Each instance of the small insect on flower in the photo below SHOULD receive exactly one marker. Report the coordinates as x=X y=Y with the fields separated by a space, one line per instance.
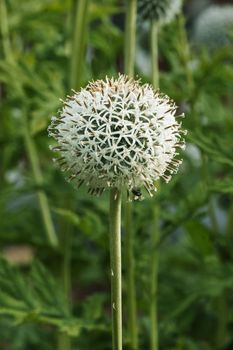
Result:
x=137 y=193
x=117 y=133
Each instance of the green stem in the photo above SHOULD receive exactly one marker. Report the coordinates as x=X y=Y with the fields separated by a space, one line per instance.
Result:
x=229 y=228
x=79 y=40
x=29 y=143
x=154 y=281
x=155 y=234
x=130 y=48
x=211 y=209
x=79 y=22
x=5 y=31
x=130 y=37
x=154 y=54
x=115 y=254
x=66 y=271
x=185 y=53
x=38 y=178
x=130 y=264
x=64 y=340
x=222 y=320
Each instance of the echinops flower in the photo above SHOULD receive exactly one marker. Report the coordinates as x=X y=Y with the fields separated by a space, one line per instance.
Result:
x=214 y=27
x=117 y=133
x=163 y=11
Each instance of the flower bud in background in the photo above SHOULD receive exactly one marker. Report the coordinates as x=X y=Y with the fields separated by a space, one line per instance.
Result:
x=214 y=27
x=163 y=11
x=117 y=133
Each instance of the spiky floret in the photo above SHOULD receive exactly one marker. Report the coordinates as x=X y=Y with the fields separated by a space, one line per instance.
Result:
x=162 y=11
x=117 y=133
x=214 y=27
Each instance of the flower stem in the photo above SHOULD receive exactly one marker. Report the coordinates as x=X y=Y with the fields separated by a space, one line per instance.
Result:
x=78 y=48
x=115 y=254
x=185 y=53
x=154 y=54
x=130 y=47
x=154 y=280
x=156 y=212
x=130 y=263
x=5 y=31
x=130 y=37
x=38 y=178
x=64 y=341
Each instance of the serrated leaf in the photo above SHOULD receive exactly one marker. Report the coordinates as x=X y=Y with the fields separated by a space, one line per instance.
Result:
x=48 y=305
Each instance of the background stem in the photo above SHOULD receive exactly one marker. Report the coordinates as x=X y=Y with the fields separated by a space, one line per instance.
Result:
x=130 y=37
x=5 y=31
x=79 y=23
x=130 y=265
x=115 y=254
x=38 y=178
x=79 y=41
x=64 y=341
x=130 y=48
x=29 y=142
x=184 y=52
x=154 y=54
x=155 y=234
x=154 y=279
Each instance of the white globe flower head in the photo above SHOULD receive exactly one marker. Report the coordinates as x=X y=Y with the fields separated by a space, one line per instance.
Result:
x=163 y=11
x=214 y=27
x=117 y=133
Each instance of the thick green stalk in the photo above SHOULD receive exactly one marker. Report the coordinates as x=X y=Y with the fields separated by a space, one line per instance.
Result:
x=229 y=228
x=185 y=54
x=154 y=54
x=155 y=234
x=79 y=41
x=38 y=178
x=5 y=31
x=115 y=254
x=130 y=47
x=222 y=320
x=130 y=265
x=154 y=280
x=130 y=37
x=64 y=341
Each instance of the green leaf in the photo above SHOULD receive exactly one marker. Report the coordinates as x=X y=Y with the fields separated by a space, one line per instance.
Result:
x=68 y=215
x=37 y=297
x=200 y=235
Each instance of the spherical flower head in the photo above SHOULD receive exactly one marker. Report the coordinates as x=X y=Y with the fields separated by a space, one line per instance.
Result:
x=214 y=27
x=163 y=11
x=117 y=133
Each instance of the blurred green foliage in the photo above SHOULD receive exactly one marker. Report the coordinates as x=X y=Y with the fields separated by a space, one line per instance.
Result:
x=196 y=243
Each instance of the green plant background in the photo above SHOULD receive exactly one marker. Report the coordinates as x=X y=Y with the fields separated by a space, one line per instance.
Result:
x=195 y=295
